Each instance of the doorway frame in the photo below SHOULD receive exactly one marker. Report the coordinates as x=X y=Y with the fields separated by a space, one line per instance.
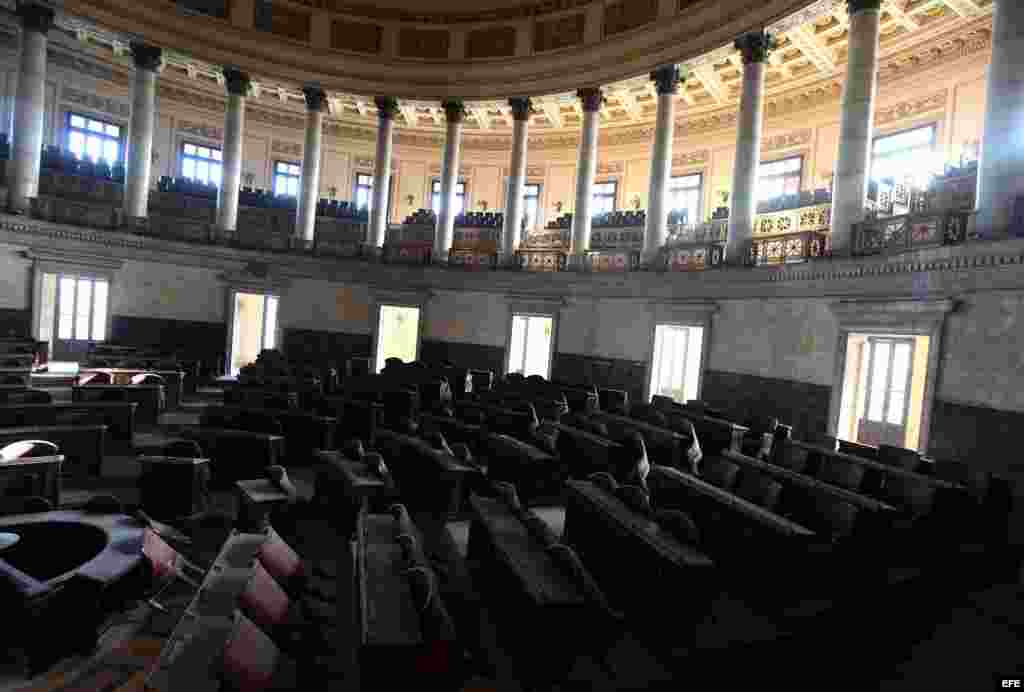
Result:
x=896 y=317
x=265 y=291
x=553 y=316
x=380 y=297
x=681 y=314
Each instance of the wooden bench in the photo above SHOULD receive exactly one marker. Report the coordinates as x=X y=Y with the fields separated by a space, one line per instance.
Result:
x=258 y=397
x=119 y=417
x=586 y=453
x=405 y=636
x=149 y=397
x=665 y=447
x=355 y=419
x=536 y=474
x=236 y=454
x=174 y=381
x=428 y=479
x=713 y=434
x=304 y=432
x=82 y=446
x=349 y=486
x=31 y=476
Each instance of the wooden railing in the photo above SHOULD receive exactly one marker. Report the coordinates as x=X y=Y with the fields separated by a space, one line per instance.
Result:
x=912 y=231
x=792 y=235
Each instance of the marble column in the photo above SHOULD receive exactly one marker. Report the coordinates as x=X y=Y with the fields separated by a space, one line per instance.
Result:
x=29 y=106
x=1001 y=164
x=309 y=191
x=850 y=189
x=455 y=112
x=521 y=110
x=148 y=61
x=743 y=198
x=666 y=80
x=238 y=85
x=586 y=166
x=387 y=109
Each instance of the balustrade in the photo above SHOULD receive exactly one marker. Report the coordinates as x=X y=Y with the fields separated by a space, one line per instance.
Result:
x=792 y=235
x=696 y=247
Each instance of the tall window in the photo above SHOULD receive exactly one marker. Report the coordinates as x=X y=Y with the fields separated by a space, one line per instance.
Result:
x=364 y=191
x=201 y=163
x=531 y=203
x=254 y=328
x=286 y=178
x=530 y=345
x=74 y=308
x=603 y=197
x=94 y=139
x=398 y=334
x=905 y=154
x=675 y=363
x=684 y=194
x=780 y=177
x=460 y=197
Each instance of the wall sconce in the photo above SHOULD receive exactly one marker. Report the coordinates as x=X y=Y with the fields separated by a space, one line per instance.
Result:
x=332 y=192
x=249 y=179
x=558 y=207
x=410 y=200
x=636 y=202
x=483 y=205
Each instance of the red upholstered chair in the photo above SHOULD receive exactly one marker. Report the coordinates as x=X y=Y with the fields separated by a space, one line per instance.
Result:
x=251 y=661
x=283 y=563
x=167 y=563
x=264 y=601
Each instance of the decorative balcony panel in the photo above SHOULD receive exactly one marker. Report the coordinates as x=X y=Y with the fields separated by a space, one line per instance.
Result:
x=76 y=212
x=479 y=240
x=339 y=238
x=815 y=218
x=472 y=260
x=715 y=231
x=695 y=258
x=542 y=260
x=265 y=229
x=613 y=261
x=617 y=238
x=696 y=247
x=410 y=232
x=912 y=231
x=795 y=247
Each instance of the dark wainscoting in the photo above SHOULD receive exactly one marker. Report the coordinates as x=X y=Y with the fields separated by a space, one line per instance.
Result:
x=201 y=341
x=981 y=436
x=15 y=322
x=613 y=373
x=800 y=404
x=315 y=346
x=473 y=356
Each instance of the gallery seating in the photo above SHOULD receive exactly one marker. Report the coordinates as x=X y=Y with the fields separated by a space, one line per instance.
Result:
x=665 y=447
x=536 y=475
x=347 y=485
x=29 y=469
x=714 y=434
x=586 y=452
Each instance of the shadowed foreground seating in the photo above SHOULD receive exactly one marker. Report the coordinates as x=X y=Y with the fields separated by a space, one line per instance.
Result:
x=83 y=446
x=428 y=479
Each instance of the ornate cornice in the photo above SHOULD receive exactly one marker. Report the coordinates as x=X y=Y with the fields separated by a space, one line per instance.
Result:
x=787 y=140
x=200 y=130
x=691 y=158
x=755 y=46
x=89 y=100
x=522 y=108
x=912 y=108
x=286 y=148
x=667 y=79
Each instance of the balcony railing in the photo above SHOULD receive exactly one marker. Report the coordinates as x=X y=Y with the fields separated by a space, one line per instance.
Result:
x=792 y=235
x=912 y=231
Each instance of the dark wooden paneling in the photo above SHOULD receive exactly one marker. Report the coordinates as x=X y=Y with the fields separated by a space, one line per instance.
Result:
x=800 y=404
x=631 y=14
x=558 y=33
x=977 y=435
x=15 y=322
x=282 y=20
x=214 y=8
x=473 y=356
x=601 y=372
x=314 y=346
x=496 y=42
x=205 y=341
x=356 y=36
x=424 y=43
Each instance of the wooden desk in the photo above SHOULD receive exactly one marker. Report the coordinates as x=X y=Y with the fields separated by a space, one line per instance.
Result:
x=44 y=473
x=174 y=381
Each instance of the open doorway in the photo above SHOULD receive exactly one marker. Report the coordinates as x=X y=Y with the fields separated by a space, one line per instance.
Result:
x=398 y=334
x=884 y=389
x=676 y=361
x=529 y=349
x=254 y=328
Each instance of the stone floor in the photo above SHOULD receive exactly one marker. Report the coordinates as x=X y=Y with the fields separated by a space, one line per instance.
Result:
x=960 y=641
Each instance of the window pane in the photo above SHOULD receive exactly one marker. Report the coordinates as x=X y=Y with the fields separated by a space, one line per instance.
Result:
x=436 y=186
x=76 y=143
x=538 y=344
x=110 y=151
x=877 y=383
x=900 y=367
x=82 y=309
x=203 y=152
x=895 y=414
x=270 y=322
x=48 y=307
x=93 y=148
x=67 y=307
x=77 y=121
x=202 y=171
x=99 y=310
x=113 y=130
x=190 y=149
x=215 y=154
x=188 y=168
x=397 y=334
x=215 y=170
x=95 y=126
x=517 y=346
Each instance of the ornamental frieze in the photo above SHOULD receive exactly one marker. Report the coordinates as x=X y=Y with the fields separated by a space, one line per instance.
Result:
x=690 y=158
x=288 y=148
x=912 y=108
x=200 y=130
x=95 y=102
x=787 y=140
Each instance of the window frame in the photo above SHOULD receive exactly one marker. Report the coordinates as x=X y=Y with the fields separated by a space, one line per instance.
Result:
x=799 y=174
x=540 y=190
x=933 y=126
x=613 y=196
x=697 y=313
x=69 y=129
x=182 y=157
x=551 y=345
x=391 y=302
x=464 y=194
x=699 y=188
x=872 y=343
x=289 y=176
x=77 y=275
x=357 y=186
x=267 y=294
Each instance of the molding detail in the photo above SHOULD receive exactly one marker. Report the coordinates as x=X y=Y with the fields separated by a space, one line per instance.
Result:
x=200 y=130
x=63 y=259
x=919 y=315
x=287 y=148
x=192 y=98
x=610 y=167
x=909 y=109
x=691 y=158
x=96 y=103
x=67 y=61
x=788 y=140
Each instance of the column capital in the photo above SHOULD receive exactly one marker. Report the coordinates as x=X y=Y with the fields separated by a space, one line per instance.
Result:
x=855 y=6
x=35 y=17
x=236 y=81
x=316 y=98
x=592 y=98
x=522 y=107
x=454 y=110
x=147 y=57
x=387 y=107
x=667 y=79
x=755 y=46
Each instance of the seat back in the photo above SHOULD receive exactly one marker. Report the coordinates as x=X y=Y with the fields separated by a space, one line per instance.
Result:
x=842 y=473
x=720 y=472
x=28 y=448
x=759 y=489
x=250 y=658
